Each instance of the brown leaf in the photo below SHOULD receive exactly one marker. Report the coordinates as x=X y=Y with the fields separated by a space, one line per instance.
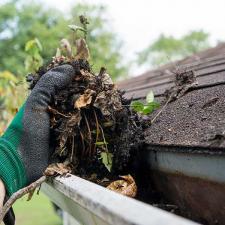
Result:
x=57 y=169
x=90 y=77
x=65 y=45
x=127 y=186
x=30 y=195
x=82 y=49
x=101 y=102
x=74 y=120
x=84 y=99
x=108 y=101
x=107 y=80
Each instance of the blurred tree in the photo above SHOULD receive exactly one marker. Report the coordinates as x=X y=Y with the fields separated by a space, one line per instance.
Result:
x=11 y=97
x=168 y=48
x=21 y=21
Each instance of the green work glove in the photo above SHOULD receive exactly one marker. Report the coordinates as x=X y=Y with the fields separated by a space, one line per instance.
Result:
x=24 y=147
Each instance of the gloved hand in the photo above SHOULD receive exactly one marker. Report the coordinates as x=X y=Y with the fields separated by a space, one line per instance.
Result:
x=24 y=147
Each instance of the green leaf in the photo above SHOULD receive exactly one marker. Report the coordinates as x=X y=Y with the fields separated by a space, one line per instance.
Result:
x=147 y=110
x=99 y=143
x=38 y=43
x=33 y=46
x=137 y=106
x=150 y=108
x=30 y=44
x=8 y=76
x=76 y=28
x=154 y=104
x=107 y=160
x=150 y=97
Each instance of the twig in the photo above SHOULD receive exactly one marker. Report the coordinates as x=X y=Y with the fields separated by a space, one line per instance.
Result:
x=169 y=99
x=89 y=134
x=20 y=193
x=54 y=111
x=82 y=140
x=106 y=146
x=103 y=136
x=97 y=130
x=72 y=153
x=102 y=71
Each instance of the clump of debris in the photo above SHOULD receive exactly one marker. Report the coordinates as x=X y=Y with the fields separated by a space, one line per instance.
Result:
x=92 y=125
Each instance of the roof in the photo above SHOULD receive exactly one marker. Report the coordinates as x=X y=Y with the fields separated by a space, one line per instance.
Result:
x=198 y=117
x=209 y=67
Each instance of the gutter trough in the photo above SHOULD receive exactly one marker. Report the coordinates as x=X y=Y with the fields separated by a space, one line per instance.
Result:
x=191 y=178
x=89 y=204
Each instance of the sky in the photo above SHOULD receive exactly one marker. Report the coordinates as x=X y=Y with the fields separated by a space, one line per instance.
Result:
x=139 y=22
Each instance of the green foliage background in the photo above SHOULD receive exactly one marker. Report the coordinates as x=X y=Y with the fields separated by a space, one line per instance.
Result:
x=21 y=21
x=168 y=48
x=38 y=210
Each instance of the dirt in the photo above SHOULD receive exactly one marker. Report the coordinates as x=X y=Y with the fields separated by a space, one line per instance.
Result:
x=90 y=118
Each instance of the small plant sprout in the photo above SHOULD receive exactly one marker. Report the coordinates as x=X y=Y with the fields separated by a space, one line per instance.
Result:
x=75 y=28
x=58 y=53
x=66 y=47
x=147 y=108
x=84 y=22
x=82 y=51
x=107 y=160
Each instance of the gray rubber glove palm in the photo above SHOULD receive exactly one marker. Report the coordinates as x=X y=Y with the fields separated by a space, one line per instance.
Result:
x=24 y=148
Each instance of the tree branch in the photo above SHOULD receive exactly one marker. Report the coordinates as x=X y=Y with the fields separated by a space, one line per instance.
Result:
x=20 y=193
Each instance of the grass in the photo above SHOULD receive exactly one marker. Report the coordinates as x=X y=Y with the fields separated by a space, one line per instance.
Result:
x=37 y=211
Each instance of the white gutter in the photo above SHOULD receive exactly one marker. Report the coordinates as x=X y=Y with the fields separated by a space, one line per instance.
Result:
x=91 y=204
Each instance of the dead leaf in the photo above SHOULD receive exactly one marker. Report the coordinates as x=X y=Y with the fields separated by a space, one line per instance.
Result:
x=57 y=169
x=82 y=49
x=90 y=77
x=74 y=120
x=101 y=102
x=30 y=195
x=65 y=46
x=106 y=80
x=108 y=101
x=127 y=186
x=84 y=99
x=116 y=100
x=86 y=74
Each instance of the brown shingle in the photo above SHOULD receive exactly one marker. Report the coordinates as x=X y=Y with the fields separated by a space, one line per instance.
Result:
x=209 y=67
x=197 y=118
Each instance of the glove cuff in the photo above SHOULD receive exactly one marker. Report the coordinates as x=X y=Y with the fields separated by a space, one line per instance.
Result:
x=12 y=170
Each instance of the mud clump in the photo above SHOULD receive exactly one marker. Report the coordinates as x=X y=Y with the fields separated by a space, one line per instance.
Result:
x=92 y=125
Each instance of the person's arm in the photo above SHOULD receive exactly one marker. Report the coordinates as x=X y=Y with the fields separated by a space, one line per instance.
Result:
x=2 y=193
